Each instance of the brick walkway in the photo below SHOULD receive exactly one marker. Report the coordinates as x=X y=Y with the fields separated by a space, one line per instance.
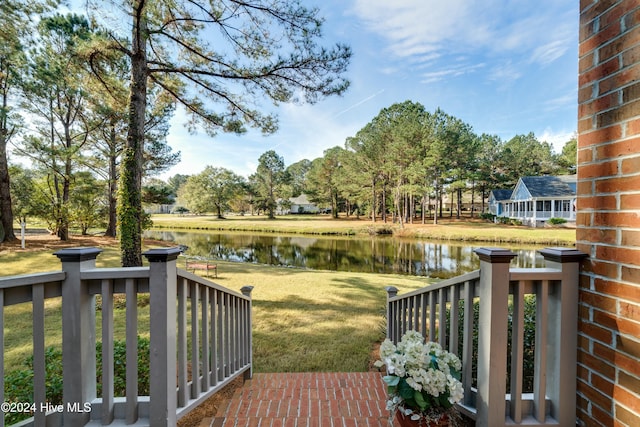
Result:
x=307 y=400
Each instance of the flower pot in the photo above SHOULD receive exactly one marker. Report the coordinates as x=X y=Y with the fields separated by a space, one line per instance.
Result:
x=406 y=421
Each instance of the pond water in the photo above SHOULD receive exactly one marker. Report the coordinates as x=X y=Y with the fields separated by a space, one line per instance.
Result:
x=376 y=254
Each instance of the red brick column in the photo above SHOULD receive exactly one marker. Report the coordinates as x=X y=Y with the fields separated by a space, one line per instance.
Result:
x=609 y=213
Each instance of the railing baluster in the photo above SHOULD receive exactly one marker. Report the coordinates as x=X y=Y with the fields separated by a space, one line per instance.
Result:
x=215 y=368
x=416 y=313
x=432 y=317
x=107 y=351
x=132 y=351
x=454 y=297
x=232 y=335
x=540 y=377
x=194 y=296
x=222 y=360
x=401 y=324
x=206 y=348
x=245 y=331
x=467 y=341
x=227 y=337
x=442 y=318
x=39 y=371
x=423 y=314
x=2 y=354
x=517 y=352
x=236 y=333
x=183 y=389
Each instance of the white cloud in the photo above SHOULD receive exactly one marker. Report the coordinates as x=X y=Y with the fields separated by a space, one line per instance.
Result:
x=568 y=100
x=451 y=71
x=416 y=28
x=505 y=73
x=557 y=138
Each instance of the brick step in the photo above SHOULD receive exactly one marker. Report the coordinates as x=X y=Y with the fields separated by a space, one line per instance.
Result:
x=354 y=399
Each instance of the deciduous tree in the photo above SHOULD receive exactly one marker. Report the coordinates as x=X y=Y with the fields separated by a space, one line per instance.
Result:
x=211 y=190
x=269 y=181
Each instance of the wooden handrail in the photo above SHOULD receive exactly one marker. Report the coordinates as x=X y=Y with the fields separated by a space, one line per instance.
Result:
x=220 y=330
x=435 y=312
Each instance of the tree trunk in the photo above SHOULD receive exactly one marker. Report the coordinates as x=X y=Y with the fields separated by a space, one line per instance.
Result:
x=373 y=200
x=130 y=206
x=473 y=197
x=451 y=205
x=483 y=197
x=6 y=212
x=6 y=207
x=63 y=229
x=437 y=203
x=384 y=203
x=111 y=230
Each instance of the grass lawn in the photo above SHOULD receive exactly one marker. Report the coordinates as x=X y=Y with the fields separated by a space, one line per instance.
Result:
x=447 y=229
x=314 y=320
x=303 y=320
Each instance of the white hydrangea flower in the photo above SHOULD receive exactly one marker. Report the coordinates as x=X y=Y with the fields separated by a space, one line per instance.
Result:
x=456 y=392
x=424 y=366
x=387 y=349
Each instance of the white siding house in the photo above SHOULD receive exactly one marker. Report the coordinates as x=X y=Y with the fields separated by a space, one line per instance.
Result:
x=301 y=204
x=536 y=199
x=298 y=205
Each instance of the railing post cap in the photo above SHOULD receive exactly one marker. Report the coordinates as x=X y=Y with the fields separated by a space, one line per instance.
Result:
x=77 y=254
x=246 y=290
x=391 y=291
x=563 y=255
x=495 y=255
x=162 y=254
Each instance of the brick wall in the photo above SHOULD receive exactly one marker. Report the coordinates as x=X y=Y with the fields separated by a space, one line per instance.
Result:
x=609 y=213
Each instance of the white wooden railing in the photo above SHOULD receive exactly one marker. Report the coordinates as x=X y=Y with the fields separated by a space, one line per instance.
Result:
x=183 y=306
x=444 y=312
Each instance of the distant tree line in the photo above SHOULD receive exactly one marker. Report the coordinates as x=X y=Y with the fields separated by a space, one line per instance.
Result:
x=398 y=167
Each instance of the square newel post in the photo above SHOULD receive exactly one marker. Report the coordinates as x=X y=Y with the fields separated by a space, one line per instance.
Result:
x=562 y=336
x=78 y=333
x=493 y=335
x=392 y=322
x=163 y=280
x=246 y=291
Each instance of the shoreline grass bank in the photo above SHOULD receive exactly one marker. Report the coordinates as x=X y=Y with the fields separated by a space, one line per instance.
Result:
x=465 y=230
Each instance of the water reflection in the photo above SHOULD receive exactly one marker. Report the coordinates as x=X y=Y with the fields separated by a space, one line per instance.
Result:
x=370 y=254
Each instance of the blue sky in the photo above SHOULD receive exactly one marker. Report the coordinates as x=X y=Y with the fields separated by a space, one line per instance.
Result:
x=506 y=67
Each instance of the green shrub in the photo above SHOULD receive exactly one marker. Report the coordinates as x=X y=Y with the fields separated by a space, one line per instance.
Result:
x=487 y=216
x=556 y=221
x=18 y=384
x=120 y=367
x=529 y=339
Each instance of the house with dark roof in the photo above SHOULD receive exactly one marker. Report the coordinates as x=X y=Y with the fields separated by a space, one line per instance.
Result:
x=497 y=200
x=536 y=199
